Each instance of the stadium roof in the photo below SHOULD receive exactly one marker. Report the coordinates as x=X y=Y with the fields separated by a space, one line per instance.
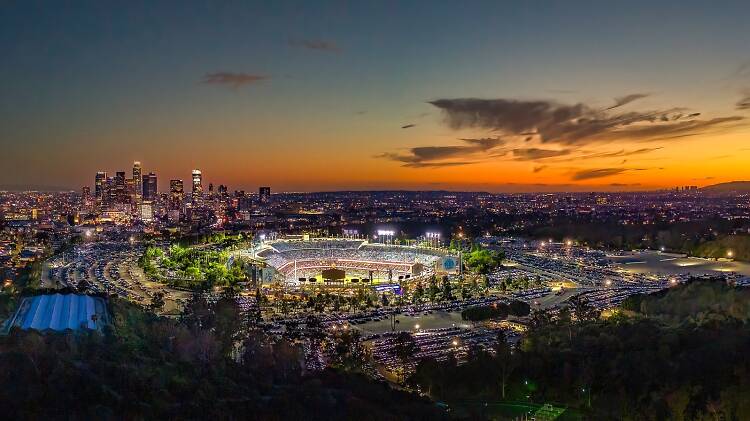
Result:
x=57 y=312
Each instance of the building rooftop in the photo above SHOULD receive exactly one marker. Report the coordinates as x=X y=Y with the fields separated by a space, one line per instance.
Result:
x=57 y=312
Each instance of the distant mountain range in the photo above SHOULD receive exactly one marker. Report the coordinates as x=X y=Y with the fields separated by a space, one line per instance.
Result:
x=732 y=186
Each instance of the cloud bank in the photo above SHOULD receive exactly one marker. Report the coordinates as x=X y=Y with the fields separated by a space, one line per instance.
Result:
x=576 y=124
x=234 y=80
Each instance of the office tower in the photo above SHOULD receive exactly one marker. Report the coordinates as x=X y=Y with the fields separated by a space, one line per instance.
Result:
x=222 y=189
x=130 y=190
x=146 y=209
x=110 y=192
x=99 y=185
x=85 y=195
x=264 y=195
x=149 y=187
x=210 y=188
x=120 y=193
x=197 y=191
x=137 y=180
x=176 y=193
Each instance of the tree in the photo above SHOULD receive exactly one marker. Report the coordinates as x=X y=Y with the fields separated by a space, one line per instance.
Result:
x=582 y=310
x=404 y=348
x=347 y=349
x=447 y=292
x=418 y=293
x=157 y=301
x=432 y=290
x=519 y=308
x=506 y=361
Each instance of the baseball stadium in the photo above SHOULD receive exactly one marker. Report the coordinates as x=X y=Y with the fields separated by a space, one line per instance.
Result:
x=350 y=262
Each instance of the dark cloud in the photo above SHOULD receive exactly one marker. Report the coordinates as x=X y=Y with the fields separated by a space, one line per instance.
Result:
x=627 y=99
x=539 y=168
x=235 y=80
x=315 y=45
x=485 y=142
x=438 y=164
x=575 y=124
x=408 y=126
x=532 y=154
x=442 y=156
x=597 y=173
x=620 y=153
x=744 y=103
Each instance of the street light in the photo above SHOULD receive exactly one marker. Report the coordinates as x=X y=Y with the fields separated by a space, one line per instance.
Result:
x=416 y=326
x=730 y=253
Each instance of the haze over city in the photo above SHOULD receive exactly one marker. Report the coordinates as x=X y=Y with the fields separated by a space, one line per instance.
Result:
x=308 y=96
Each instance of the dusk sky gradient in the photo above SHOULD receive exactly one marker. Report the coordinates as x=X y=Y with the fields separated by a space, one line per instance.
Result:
x=311 y=96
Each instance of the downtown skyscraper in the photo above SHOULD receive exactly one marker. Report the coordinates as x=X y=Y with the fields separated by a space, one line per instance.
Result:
x=149 y=187
x=137 y=181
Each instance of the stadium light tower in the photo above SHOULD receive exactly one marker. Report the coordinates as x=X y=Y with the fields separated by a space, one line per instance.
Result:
x=386 y=236
x=433 y=238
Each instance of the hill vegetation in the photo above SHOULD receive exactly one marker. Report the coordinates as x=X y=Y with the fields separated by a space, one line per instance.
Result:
x=198 y=367
x=677 y=355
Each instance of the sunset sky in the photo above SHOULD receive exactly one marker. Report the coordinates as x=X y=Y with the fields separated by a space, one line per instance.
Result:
x=303 y=96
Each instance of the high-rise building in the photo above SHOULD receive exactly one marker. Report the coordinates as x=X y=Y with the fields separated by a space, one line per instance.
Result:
x=264 y=195
x=110 y=191
x=146 y=210
x=149 y=187
x=137 y=180
x=99 y=186
x=197 y=191
x=120 y=193
x=86 y=195
x=130 y=190
x=176 y=193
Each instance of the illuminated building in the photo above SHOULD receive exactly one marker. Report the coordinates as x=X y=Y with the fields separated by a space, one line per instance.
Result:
x=120 y=192
x=85 y=195
x=264 y=195
x=197 y=190
x=137 y=180
x=146 y=208
x=99 y=186
x=149 y=186
x=176 y=193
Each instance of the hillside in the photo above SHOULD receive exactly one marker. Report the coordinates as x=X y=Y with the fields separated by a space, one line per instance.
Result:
x=732 y=186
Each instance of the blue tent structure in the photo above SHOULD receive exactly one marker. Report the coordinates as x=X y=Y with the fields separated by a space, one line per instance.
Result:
x=58 y=312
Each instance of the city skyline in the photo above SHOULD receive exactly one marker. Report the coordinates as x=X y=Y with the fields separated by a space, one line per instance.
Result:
x=495 y=97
